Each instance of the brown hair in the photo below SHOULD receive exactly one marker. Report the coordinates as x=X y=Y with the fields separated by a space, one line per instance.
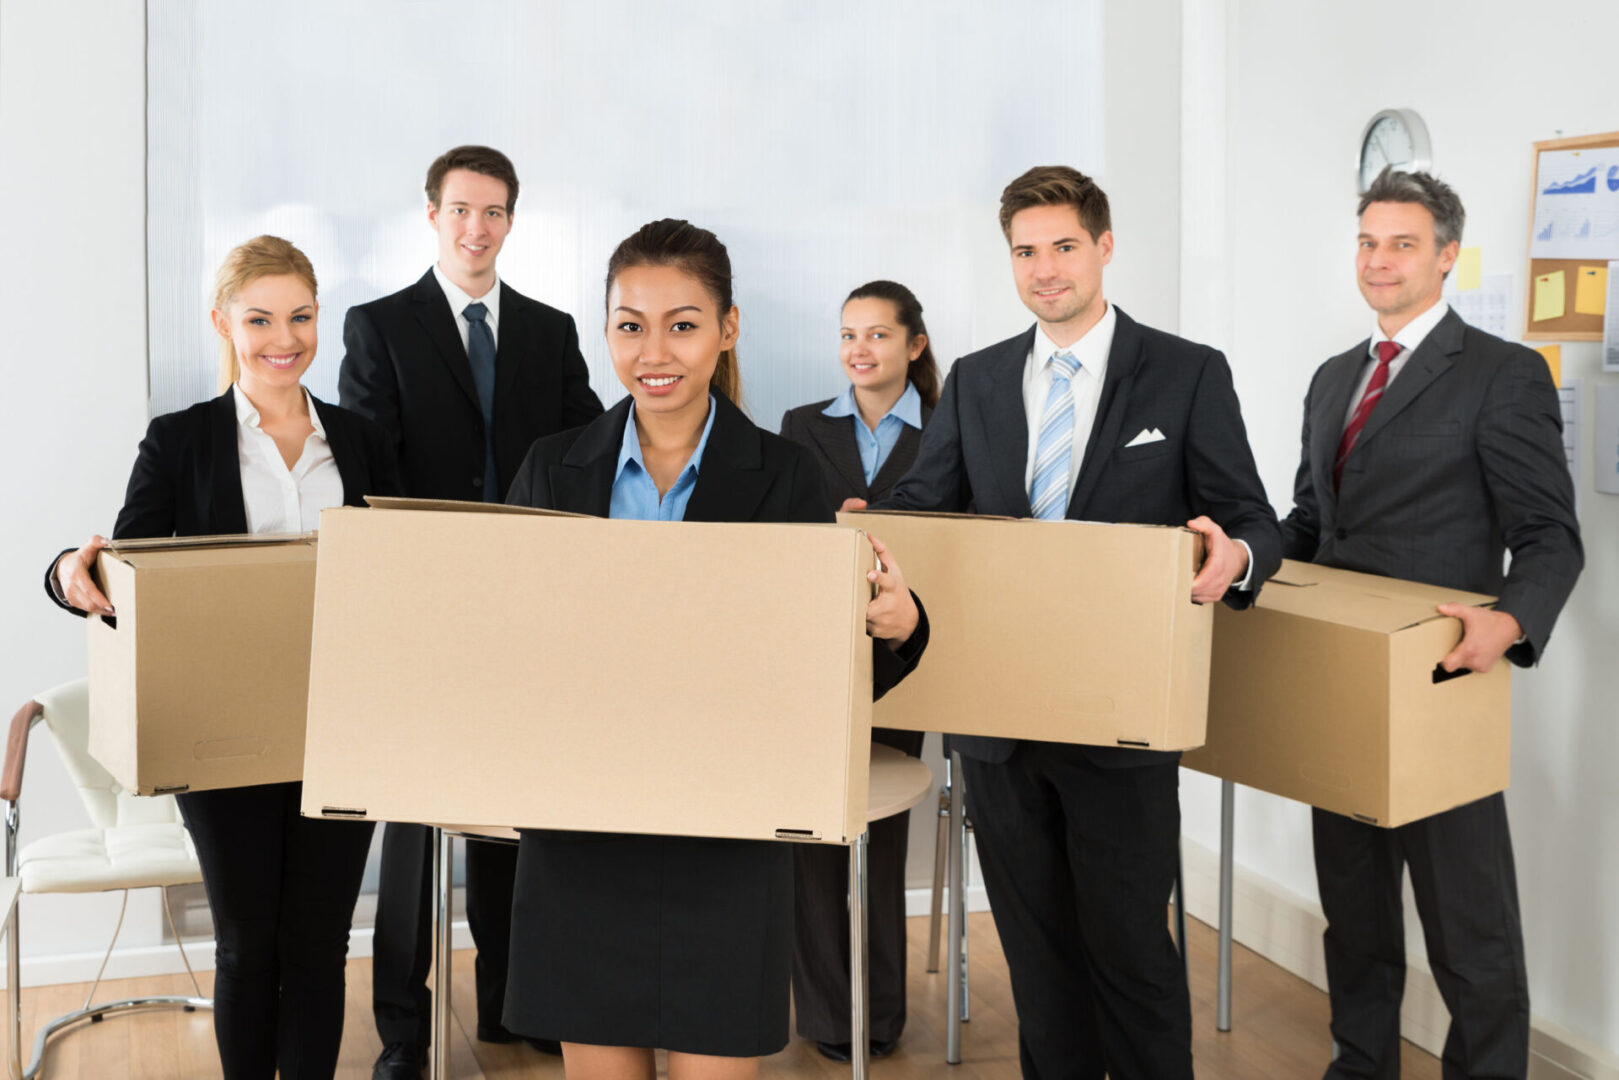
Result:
x=1057 y=185
x=1428 y=192
x=484 y=160
x=262 y=256
x=694 y=251
x=924 y=370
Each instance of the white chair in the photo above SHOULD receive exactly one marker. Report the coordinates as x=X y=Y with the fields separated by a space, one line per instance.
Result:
x=136 y=843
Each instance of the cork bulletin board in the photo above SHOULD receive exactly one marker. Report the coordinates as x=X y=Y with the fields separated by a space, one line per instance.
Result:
x=1573 y=234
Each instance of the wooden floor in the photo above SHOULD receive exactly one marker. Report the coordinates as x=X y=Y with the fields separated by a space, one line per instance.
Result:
x=1279 y=1028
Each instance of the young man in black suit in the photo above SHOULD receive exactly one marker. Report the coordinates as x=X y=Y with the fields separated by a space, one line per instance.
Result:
x=1090 y=415
x=465 y=373
x=1429 y=451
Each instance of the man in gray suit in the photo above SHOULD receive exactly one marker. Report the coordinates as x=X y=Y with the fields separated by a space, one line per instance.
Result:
x=1430 y=450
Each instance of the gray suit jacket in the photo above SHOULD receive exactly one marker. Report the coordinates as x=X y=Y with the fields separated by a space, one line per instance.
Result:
x=1460 y=462
x=976 y=446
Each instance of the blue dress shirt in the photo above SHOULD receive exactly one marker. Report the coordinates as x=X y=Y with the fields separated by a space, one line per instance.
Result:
x=635 y=496
x=875 y=446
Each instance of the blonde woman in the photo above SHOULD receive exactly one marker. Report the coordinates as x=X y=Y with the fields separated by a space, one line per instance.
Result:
x=265 y=456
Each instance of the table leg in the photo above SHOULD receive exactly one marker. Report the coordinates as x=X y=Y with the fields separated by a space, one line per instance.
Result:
x=443 y=877
x=859 y=961
x=955 y=1000
x=1228 y=811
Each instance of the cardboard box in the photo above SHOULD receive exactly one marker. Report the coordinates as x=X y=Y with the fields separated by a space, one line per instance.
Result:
x=1065 y=631
x=496 y=666
x=201 y=679
x=1328 y=691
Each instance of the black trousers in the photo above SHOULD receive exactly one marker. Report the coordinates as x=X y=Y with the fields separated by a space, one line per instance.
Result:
x=1465 y=886
x=1079 y=862
x=821 y=925
x=402 y=949
x=282 y=889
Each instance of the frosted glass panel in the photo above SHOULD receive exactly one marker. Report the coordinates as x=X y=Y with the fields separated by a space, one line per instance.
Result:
x=826 y=144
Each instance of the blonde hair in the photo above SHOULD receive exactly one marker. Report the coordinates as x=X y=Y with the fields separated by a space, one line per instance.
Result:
x=262 y=256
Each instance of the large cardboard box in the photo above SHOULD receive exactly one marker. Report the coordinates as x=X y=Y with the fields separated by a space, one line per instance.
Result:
x=494 y=666
x=201 y=679
x=1066 y=631
x=1329 y=691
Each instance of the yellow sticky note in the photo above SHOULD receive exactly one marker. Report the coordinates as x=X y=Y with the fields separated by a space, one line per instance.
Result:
x=1549 y=299
x=1554 y=360
x=1470 y=268
x=1591 y=290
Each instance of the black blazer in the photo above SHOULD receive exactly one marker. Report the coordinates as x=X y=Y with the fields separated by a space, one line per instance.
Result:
x=975 y=450
x=404 y=366
x=1461 y=461
x=187 y=479
x=832 y=440
x=746 y=475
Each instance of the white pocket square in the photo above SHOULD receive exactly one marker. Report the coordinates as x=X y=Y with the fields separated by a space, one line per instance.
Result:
x=1148 y=435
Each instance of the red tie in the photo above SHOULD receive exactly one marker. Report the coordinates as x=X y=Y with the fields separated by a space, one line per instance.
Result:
x=1386 y=352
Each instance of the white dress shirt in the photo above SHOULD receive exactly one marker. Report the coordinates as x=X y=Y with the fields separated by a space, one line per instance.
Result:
x=278 y=499
x=1410 y=336
x=1091 y=352
x=459 y=301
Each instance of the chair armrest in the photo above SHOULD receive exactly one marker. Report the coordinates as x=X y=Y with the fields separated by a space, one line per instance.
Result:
x=17 y=750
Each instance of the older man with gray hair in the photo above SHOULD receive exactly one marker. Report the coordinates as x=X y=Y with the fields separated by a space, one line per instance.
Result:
x=1430 y=450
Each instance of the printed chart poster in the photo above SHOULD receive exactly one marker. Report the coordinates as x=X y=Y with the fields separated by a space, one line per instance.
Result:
x=1577 y=205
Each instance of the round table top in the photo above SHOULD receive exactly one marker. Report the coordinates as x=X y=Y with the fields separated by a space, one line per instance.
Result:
x=898 y=782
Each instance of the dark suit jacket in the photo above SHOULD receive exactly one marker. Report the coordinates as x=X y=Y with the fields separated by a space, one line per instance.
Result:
x=746 y=475
x=832 y=440
x=1461 y=461
x=975 y=450
x=187 y=479
x=405 y=367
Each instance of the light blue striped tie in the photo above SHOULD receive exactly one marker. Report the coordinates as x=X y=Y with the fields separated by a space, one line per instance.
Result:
x=1048 y=494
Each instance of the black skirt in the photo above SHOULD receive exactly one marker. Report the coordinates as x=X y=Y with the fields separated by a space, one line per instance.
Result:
x=679 y=943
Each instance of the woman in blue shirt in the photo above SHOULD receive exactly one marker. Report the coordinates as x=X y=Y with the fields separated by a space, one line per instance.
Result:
x=864 y=440
x=625 y=943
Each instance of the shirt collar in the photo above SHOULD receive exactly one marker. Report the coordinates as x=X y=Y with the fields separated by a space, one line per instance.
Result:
x=1091 y=350
x=630 y=449
x=247 y=414
x=1412 y=333
x=907 y=410
x=459 y=299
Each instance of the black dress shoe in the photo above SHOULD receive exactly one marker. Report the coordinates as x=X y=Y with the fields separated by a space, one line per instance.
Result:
x=881 y=1048
x=400 y=1061
x=838 y=1052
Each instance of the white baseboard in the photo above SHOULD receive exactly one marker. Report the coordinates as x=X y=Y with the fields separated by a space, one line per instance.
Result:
x=1286 y=929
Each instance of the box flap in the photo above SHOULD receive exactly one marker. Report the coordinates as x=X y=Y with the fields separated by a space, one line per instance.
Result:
x=167 y=543
x=393 y=502
x=1359 y=601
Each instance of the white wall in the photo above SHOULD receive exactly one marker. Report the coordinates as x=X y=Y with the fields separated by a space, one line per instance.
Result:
x=1271 y=281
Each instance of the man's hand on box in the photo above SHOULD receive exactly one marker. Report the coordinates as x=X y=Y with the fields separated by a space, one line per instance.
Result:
x=891 y=616
x=1226 y=561
x=852 y=504
x=1486 y=636
x=77 y=586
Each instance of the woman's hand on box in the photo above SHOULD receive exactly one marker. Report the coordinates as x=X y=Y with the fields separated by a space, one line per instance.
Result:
x=891 y=616
x=852 y=504
x=73 y=578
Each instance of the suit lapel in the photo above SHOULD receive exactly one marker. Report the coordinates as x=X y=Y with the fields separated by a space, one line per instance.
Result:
x=1431 y=360
x=229 y=513
x=1123 y=359
x=433 y=314
x=583 y=482
x=835 y=436
x=343 y=453
x=511 y=344
x=1327 y=415
x=1005 y=422
x=900 y=459
x=731 y=481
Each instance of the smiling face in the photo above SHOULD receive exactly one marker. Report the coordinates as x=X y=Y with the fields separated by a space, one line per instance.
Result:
x=1400 y=266
x=472 y=223
x=876 y=350
x=665 y=334
x=1058 y=269
x=271 y=325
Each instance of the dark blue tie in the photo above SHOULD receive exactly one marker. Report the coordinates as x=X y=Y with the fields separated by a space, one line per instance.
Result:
x=481 y=355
